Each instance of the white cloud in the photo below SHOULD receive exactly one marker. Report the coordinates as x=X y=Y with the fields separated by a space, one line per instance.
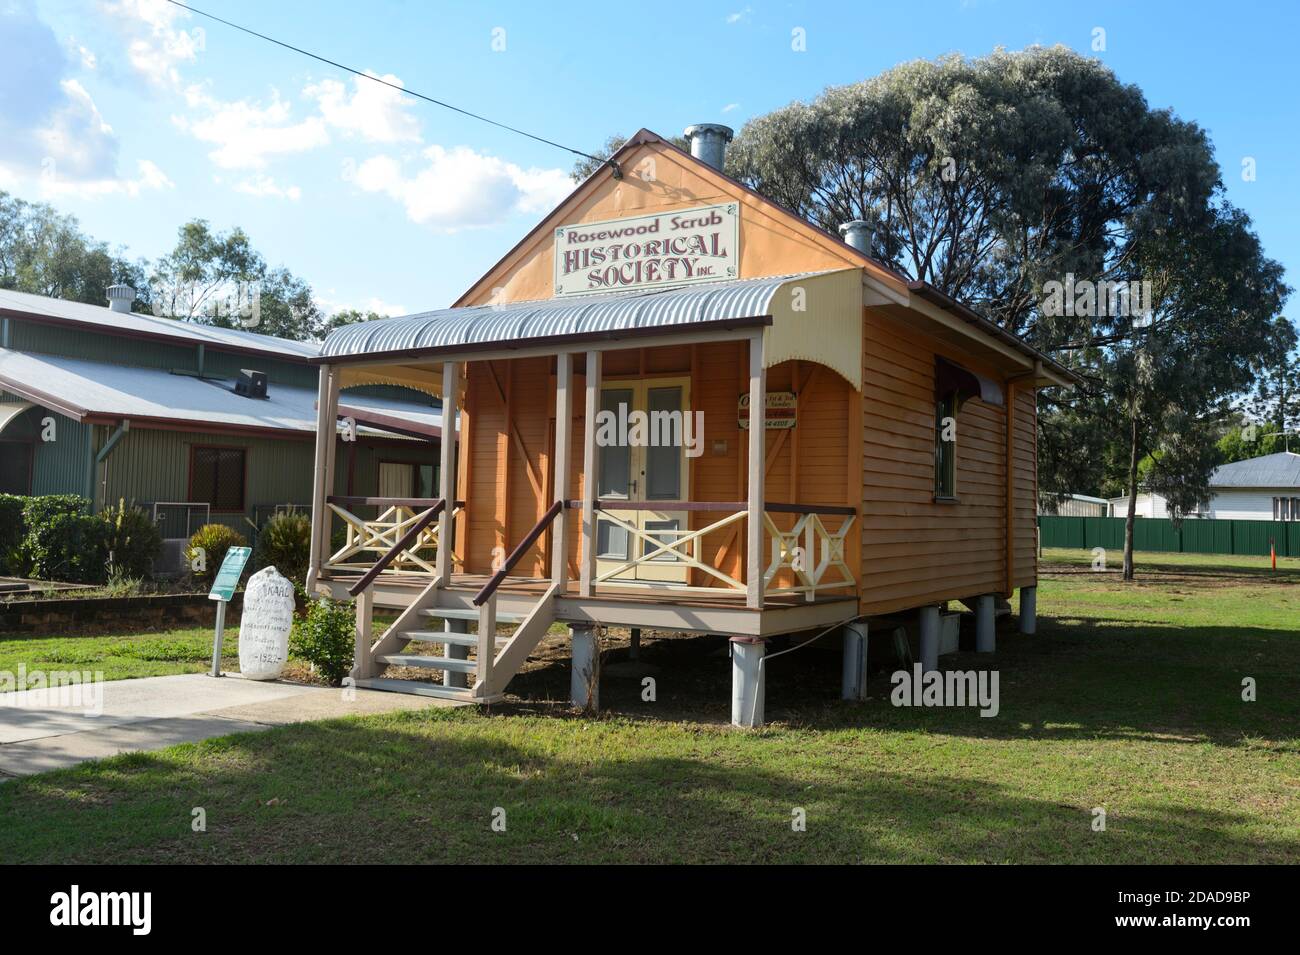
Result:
x=459 y=188
x=246 y=134
x=730 y=106
x=266 y=187
x=740 y=15
x=155 y=45
x=376 y=113
x=148 y=177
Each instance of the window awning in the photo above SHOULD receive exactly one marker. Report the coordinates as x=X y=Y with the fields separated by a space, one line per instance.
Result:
x=951 y=377
x=812 y=316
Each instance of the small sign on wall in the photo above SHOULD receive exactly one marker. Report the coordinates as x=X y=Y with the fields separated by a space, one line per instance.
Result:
x=780 y=416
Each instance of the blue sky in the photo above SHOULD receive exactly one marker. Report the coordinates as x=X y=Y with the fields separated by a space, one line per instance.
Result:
x=136 y=117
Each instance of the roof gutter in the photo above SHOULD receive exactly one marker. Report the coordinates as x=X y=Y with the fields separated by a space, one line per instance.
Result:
x=948 y=304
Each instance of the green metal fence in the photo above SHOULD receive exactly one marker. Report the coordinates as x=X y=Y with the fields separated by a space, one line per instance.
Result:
x=1195 y=536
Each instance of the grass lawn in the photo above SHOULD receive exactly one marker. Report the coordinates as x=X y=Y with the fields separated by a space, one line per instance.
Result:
x=118 y=656
x=1127 y=699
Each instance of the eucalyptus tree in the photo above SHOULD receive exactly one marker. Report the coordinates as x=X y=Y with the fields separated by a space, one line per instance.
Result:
x=1039 y=189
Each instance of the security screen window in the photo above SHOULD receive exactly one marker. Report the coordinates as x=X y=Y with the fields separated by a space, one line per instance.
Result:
x=945 y=452
x=217 y=478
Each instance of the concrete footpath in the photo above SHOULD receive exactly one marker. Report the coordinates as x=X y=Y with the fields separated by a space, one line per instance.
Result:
x=39 y=732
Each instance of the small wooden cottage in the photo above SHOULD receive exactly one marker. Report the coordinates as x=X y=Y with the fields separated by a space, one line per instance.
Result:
x=685 y=408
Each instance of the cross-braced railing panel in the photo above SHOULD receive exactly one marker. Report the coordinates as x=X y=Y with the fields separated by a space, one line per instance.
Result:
x=809 y=550
x=681 y=545
x=378 y=535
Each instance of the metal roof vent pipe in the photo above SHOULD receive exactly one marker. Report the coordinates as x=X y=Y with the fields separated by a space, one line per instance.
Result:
x=120 y=297
x=709 y=142
x=858 y=234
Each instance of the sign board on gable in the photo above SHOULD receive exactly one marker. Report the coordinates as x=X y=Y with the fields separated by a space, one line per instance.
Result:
x=780 y=411
x=661 y=250
x=223 y=585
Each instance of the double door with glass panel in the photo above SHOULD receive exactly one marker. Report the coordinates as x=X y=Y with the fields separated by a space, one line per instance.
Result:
x=642 y=472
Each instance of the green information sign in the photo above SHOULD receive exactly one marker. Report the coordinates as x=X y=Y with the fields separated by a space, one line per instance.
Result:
x=223 y=587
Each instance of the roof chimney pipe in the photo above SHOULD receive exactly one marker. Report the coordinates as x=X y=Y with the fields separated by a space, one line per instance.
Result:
x=858 y=234
x=120 y=297
x=709 y=142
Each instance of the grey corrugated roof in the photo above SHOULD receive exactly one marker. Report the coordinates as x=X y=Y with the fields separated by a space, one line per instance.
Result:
x=1281 y=470
x=105 y=319
x=519 y=321
x=119 y=391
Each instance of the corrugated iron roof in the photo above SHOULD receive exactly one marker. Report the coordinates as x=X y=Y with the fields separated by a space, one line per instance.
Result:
x=558 y=318
x=94 y=389
x=1281 y=470
x=104 y=319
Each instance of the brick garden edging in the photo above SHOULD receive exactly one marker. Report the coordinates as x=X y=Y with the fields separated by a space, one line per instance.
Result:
x=149 y=612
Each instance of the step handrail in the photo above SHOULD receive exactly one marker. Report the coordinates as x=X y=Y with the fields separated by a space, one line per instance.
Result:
x=421 y=522
x=517 y=554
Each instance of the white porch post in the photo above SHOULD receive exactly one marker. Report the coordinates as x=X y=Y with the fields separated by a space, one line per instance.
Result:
x=590 y=467
x=447 y=470
x=757 y=454
x=563 y=439
x=327 y=411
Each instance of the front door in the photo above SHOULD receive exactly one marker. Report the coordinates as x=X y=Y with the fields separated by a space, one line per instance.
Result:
x=646 y=464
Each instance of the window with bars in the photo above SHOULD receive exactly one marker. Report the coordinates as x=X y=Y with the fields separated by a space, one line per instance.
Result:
x=1286 y=508
x=945 y=451
x=217 y=477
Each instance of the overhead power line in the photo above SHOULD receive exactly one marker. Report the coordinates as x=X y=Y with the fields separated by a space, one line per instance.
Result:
x=401 y=89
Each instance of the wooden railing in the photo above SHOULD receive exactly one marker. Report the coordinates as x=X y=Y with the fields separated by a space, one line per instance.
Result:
x=811 y=552
x=807 y=559
x=403 y=546
x=486 y=600
x=378 y=535
x=517 y=554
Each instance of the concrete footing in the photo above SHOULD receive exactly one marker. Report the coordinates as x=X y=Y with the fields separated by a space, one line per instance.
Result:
x=986 y=640
x=584 y=682
x=747 y=679
x=452 y=678
x=853 y=678
x=1028 y=609
x=929 y=638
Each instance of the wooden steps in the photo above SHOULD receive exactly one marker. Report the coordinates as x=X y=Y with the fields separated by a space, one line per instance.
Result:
x=420 y=688
x=445 y=664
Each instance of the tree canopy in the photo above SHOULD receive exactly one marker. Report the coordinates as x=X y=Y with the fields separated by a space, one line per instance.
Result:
x=1039 y=189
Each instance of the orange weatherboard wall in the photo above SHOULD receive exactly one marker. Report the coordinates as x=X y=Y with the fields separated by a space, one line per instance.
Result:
x=873 y=450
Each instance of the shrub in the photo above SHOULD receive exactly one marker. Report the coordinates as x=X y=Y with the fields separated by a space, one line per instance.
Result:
x=326 y=638
x=134 y=541
x=12 y=531
x=68 y=547
x=212 y=541
x=285 y=544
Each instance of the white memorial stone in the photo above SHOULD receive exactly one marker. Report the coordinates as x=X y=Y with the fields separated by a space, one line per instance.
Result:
x=264 y=625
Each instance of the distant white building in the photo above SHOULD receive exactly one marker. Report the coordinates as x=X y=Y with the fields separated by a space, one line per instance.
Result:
x=1148 y=505
x=1266 y=488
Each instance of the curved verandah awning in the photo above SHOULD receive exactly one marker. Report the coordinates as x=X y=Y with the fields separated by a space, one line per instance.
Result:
x=813 y=316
